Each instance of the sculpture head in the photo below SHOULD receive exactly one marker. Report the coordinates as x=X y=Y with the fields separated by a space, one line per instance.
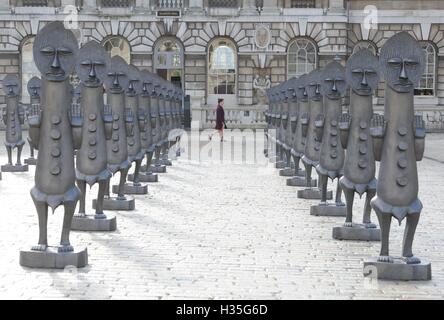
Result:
x=116 y=78
x=314 y=85
x=91 y=64
x=292 y=89
x=11 y=85
x=333 y=85
x=55 y=49
x=302 y=92
x=134 y=80
x=402 y=62
x=34 y=87
x=362 y=72
x=146 y=82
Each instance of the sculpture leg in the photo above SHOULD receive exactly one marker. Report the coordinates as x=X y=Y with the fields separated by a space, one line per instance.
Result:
x=42 y=213
x=19 y=155
x=82 y=186
x=385 y=220
x=9 y=151
x=339 y=195
x=367 y=209
x=308 y=175
x=31 y=149
x=136 y=180
x=149 y=159
x=107 y=188
x=157 y=155
x=409 y=233
x=288 y=157
x=123 y=174
x=103 y=184
x=65 y=245
x=323 y=180
x=349 y=197
x=296 y=161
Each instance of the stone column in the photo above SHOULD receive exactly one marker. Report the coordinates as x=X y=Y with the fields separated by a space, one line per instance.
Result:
x=249 y=7
x=195 y=7
x=271 y=7
x=336 y=6
x=4 y=6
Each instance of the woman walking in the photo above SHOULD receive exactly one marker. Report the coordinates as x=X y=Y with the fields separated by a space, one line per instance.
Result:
x=220 y=120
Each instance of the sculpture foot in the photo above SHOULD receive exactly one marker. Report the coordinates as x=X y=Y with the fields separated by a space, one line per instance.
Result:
x=412 y=260
x=80 y=215
x=369 y=225
x=100 y=216
x=65 y=248
x=39 y=247
x=340 y=204
x=348 y=224
x=387 y=259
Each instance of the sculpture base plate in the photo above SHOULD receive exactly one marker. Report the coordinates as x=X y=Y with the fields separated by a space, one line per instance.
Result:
x=52 y=259
x=313 y=194
x=145 y=177
x=328 y=210
x=300 y=182
x=130 y=188
x=15 y=168
x=357 y=232
x=113 y=203
x=286 y=172
x=31 y=161
x=398 y=270
x=166 y=162
x=89 y=223
x=158 y=169
x=280 y=165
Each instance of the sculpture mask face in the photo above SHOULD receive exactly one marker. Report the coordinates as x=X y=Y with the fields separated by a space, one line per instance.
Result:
x=55 y=50
x=314 y=84
x=147 y=82
x=91 y=64
x=333 y=83
x=11 y=85
x=116 y=78
x=402 y=62
x=302 y=93
x=34 y=87
x=292 y=89
x=135 y=81
x=362 y=72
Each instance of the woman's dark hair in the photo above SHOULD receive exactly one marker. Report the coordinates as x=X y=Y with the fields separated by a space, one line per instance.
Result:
x=219 y=100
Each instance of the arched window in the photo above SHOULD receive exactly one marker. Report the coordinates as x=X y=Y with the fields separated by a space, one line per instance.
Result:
x=365 y=45
x=427 y=83
x=28 y=67
x=222 y=67
x=168 y=54
x=118 y=46
x=301 y=58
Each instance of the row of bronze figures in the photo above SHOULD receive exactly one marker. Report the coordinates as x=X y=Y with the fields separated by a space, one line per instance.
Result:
x=141 y=118
x=306 y=122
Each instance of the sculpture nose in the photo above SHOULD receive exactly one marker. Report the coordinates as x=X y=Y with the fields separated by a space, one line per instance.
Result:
x=116 y=80
x=364 y=80
x=56 y=61
x=334 y=88
x=403 y=74
x=317 y=89
x=92 y=71
x=131 y=87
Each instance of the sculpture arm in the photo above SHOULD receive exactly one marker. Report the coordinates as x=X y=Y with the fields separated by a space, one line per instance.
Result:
x=319 y=126
x=34 y=119
x=76 y=120
x=141 y=117
x=293 y=122
x=344 y=122
x=4 y=115
x=129 y=122
x=420 y=133
x=377 y=131
x=21 y=114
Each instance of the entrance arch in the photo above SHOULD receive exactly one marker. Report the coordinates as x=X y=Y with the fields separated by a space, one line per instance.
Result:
x=169 y=60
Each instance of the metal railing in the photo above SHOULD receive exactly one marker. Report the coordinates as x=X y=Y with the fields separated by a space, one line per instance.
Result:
x=115 y=3
x=224 y=4
x=303 y=4
x=171 y=4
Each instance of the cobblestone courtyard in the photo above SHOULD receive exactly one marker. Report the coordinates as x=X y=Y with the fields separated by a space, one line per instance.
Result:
x=209 y=231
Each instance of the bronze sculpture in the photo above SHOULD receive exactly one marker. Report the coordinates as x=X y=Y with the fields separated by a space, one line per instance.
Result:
x=398 y=143
x=34 y=87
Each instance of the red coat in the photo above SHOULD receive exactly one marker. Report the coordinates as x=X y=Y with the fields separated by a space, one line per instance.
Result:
x=220 y=118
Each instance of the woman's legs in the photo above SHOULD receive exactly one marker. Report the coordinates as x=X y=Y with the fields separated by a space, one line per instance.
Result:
x=221 y=134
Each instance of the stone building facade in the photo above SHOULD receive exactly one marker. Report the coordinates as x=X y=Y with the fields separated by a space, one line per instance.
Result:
x=232 y=48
